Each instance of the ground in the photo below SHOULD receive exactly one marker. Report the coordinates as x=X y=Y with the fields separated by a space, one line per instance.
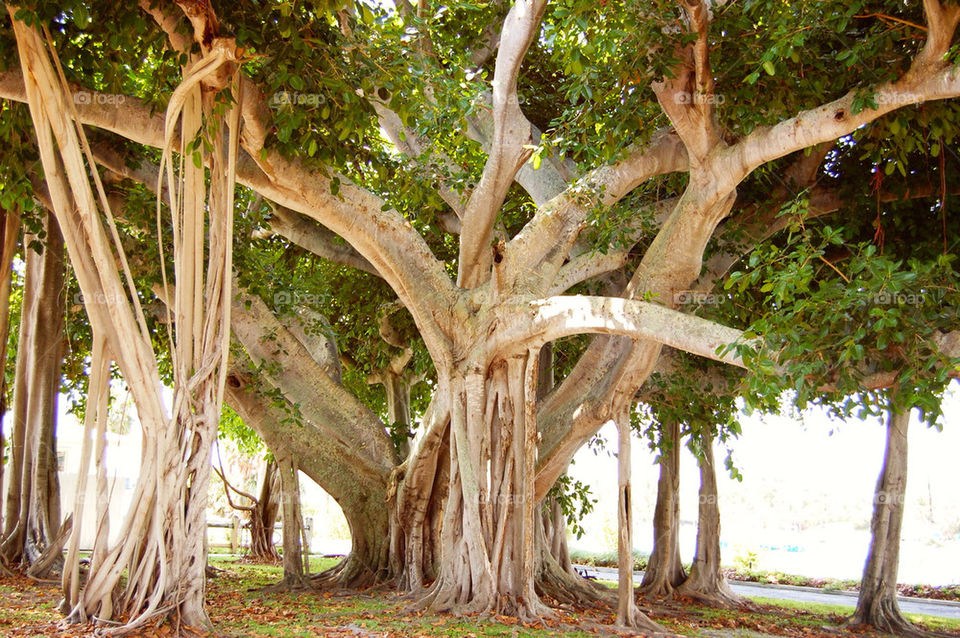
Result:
x=239 y=609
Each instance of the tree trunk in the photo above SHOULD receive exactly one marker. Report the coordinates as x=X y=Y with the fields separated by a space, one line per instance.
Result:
x=296 y=567
x=360 y=490
x=555 y=531
x=627 y=613
x=563 y=583
x=10 y=225
x=706 y=581
x=487 y=562
x=33 y=515
x=263 y=516
x=664 y=571
x=877 y=604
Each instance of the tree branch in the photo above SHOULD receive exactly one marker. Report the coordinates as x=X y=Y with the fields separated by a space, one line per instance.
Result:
x=930 y=77
x=511 y=132
x=542 y=321
x=687 y=98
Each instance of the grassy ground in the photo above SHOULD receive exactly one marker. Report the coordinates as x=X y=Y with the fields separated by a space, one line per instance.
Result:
x=742 y=573
x=239 y=608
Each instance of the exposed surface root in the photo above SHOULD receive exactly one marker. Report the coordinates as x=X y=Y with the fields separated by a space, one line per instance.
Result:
x=350 y=573
x=884 y=614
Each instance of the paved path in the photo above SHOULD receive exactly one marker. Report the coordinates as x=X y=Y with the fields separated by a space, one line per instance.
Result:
x=927 y=606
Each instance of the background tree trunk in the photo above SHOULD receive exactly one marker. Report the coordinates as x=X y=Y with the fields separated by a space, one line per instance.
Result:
x=295 y=561
x=877 y=603
x=360 y=489
x=706 y=581
x=10 y=226
x=664 y=571
x=33 y=516
x=627 y=613
x=263 y=516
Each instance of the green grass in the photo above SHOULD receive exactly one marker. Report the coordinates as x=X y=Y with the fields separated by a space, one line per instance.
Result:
x=930 y=622
x=239 y=606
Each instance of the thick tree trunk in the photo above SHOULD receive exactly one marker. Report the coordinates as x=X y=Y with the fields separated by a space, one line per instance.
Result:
x=555 y=530
x=706 y=581
x=488 y=562
x=263 y=516
x=877 y=604
x=562 y=583
x=420 y=500
x=33 y=516
x=664 y=571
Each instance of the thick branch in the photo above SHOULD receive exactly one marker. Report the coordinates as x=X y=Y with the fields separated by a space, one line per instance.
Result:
x=539 y=322
x=930 y=77
x=511 y=132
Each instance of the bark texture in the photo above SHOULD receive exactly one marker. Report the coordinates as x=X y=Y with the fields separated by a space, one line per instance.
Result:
x=706 y=581
x=877 y=604
x=10 y=224
x=33 y=497
x=665 y=572
x=263 y=516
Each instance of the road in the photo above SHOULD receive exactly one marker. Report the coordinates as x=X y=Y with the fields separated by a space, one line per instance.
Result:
x=926 y=606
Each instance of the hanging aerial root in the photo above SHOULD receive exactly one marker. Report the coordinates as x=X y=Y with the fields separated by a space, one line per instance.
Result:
x=161 y=547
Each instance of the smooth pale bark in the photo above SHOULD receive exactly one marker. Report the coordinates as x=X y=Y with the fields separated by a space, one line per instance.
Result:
x=627 y=613
x=706 y=581
x=488 y=560
x=33 y=514
x=665 y=571
x=877 y=604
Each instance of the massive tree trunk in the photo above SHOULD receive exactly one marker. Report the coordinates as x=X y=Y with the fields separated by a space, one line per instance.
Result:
x=33 y=498
x=488 y=560
x=664 y=571
x=877 y=603
x=706 y=581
